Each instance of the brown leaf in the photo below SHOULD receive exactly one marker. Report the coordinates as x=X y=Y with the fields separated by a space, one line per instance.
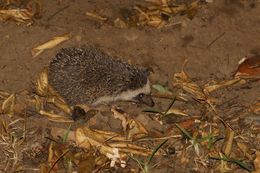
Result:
x=134 y=129
x=255 y=108
x=228 y=140
x=257 y=162
x=249 y=67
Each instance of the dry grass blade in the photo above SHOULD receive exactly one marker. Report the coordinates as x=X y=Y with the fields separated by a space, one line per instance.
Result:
x=49 y=44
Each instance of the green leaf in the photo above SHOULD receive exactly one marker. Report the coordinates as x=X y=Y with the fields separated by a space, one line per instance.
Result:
x=66 y=135
x=160 y=88
x=185 y=132
x=155 y=151
x=238 y=162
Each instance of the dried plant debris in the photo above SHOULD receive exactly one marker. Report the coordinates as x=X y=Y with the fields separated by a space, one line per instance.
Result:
x=49 y=44
x=161 y=12
x=249 y=67
x=20 y=11
x=112 y=145
x=155 y=13
x=201 y=139
x=12 y=136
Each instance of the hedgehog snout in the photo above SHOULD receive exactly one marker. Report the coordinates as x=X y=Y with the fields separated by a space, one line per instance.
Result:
x=145 y=99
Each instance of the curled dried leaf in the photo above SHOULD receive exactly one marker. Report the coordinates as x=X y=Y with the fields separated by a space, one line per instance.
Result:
x=8 y=105
x=42 y=83
x=249 y=67
x=49 y=44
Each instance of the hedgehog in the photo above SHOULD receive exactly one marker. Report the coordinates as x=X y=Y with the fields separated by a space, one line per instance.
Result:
x=89 y=76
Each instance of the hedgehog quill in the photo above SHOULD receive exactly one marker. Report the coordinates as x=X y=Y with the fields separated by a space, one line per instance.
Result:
x=89 y=76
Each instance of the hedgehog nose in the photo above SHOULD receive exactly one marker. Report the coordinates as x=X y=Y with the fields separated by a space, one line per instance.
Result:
x=145 y=99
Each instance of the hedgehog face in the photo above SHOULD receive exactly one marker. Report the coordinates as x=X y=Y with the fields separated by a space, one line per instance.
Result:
x=145 y=99
x=140 y=95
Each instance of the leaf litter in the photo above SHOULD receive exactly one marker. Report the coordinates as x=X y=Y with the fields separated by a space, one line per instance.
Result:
x=91 y=149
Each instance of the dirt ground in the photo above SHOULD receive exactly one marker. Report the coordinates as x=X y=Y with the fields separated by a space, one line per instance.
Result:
x=214 y=41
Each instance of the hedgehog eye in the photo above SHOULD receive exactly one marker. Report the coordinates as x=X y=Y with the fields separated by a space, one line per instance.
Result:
x=141 y=95
x=145 y=99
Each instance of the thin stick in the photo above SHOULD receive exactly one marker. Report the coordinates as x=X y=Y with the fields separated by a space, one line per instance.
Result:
x=216 y=39
x=63 y=154
x=57 y=12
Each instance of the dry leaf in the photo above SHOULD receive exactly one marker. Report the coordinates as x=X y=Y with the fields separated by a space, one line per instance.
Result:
x=249 y=67
x=134 y=129
x=255 y=108
x=257 y=162
x=49 y=44
x=45 y=90
x=228 y=141
x=121 y=116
